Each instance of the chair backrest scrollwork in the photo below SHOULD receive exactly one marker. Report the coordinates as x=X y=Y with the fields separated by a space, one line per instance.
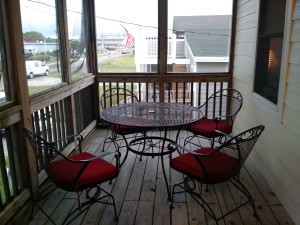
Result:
x=224 y=103
x=116 y=96
x=44 y=151
x=242 y=144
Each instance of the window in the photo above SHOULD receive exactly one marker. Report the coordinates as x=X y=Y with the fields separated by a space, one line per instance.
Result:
x=77 y=37
x=126 y=36
x=199 y=36
x=41 y=44
x=269 y=49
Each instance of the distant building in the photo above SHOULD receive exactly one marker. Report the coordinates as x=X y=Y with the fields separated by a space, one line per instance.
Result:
x=110 y=41
x=37 y=47
x=198 y=44
x=207 y=42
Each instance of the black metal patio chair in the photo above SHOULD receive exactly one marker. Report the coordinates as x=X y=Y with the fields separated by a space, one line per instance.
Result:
x=80 y=173
x=109 y=98
x=215 y=165
x=217 y=116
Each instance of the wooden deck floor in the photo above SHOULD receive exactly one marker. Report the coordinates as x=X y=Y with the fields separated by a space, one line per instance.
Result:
x=138 y=203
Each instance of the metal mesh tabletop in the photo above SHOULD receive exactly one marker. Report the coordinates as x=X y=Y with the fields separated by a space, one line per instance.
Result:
x=152 y=114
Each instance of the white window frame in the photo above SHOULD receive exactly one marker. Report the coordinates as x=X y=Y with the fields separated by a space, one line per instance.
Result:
x=276 y=110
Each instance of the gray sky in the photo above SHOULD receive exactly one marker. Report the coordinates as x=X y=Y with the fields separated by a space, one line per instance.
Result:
x=135 y=15
x=139 y=14
x=38 y=17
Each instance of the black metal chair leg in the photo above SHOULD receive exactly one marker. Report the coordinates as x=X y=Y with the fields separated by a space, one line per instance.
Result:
x=45 y=194
x=40 y=208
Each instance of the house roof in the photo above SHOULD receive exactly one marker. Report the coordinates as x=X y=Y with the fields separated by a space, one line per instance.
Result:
x=207 y=36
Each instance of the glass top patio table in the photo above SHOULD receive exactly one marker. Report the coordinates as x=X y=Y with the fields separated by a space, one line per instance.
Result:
x=149 y=116
x=152 y=115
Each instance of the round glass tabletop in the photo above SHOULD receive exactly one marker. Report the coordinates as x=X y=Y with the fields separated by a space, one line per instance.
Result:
x=152 y=114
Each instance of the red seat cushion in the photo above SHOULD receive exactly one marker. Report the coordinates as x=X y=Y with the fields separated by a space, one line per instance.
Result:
x=63 y=172
x=219 y=166
x=206 y=127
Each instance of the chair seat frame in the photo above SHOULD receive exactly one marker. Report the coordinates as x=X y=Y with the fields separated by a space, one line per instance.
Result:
x=187 y=187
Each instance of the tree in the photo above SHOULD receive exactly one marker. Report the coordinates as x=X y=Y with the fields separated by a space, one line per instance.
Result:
x=75 y=47
x=33 y=35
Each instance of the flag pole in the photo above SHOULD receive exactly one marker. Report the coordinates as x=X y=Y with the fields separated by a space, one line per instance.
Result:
x=124 y=28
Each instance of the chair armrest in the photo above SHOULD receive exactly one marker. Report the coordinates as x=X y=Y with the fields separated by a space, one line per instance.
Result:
x=217 y=118
x=96 y=157
x=171 y=148
x=223 y=134
x=79 y=138
x=223 y=137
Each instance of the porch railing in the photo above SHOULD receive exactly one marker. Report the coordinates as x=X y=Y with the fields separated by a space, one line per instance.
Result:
x=179 y=90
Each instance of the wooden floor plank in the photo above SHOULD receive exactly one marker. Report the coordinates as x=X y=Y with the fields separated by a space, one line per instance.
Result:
x=141 y=195
x=281 y=215
x=128 y=212
x=179 y=214
x=49 y=207
x=62 y=210
x=216 y=208
x=150 y=179
x=264 y=212
x=195 y=212
x=119 y=190
x=176 y=178
x=144 y=214
x=95 y=212
x=136 y=180
x=264 y=188
x=227 y=204
x=161 y=206
x=161 y=213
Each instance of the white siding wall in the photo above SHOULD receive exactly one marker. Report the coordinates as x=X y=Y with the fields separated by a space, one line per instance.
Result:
x=277 y=154
x=213 y=67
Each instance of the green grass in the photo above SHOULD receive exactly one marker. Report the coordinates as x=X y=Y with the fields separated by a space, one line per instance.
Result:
x=55 y=75
x=34 y=89
x=124 y=64
x=120 y=61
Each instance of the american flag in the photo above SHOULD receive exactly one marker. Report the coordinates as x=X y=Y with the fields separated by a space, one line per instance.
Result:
x=129 y=39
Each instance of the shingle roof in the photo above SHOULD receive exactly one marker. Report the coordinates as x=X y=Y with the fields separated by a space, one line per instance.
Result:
x=207 y=36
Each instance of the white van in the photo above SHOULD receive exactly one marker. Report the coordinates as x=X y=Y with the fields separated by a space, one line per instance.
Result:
x=36 y=68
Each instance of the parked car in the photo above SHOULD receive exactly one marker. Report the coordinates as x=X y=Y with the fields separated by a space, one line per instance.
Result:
x=28 y=53
x=36 y=68
x=125 y=51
